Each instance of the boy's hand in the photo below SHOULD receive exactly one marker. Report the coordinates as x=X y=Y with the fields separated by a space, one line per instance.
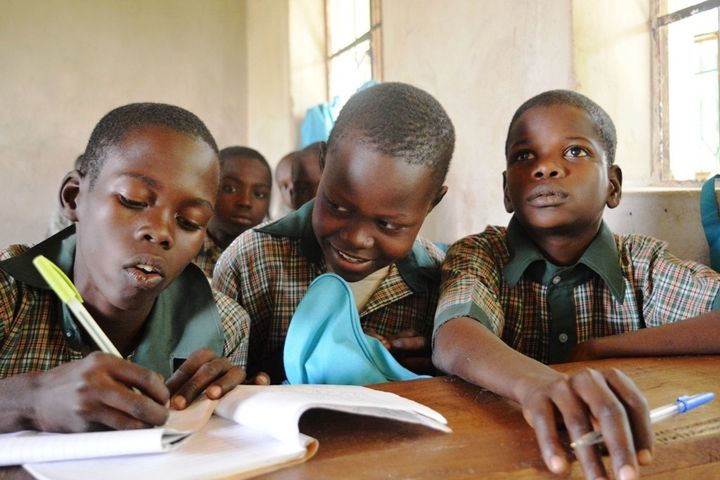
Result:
x=609 y=400
x=409 y=348
x=203 y=372
x=95 y=393
x=260 y=378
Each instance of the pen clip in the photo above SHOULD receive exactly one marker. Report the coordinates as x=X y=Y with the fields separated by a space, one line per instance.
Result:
x=688 y=402
x=57 y=280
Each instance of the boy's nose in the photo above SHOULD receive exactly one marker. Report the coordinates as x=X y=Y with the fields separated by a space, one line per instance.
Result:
x=244 y=198
x=548 y=168
x=357 y=236
x=159 y=228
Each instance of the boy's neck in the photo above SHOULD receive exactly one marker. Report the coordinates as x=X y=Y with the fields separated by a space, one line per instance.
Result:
x=564 y=249
x=123 y=329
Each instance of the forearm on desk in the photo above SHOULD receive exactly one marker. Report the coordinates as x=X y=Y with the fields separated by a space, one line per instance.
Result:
x=694 y=336
x=465 y=348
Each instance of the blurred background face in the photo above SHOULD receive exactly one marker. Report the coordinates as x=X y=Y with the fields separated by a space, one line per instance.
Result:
x=305 y=177
x=283 y=178
x=243 y=199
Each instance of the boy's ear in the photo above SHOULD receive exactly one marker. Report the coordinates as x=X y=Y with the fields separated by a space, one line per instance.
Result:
x=438 y=197
x=506 y=195
x=614 y=187
x=69 y=191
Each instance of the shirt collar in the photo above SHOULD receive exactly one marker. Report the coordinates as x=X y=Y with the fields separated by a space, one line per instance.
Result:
x=178 y=325
x=417 y=268
x=601 y=257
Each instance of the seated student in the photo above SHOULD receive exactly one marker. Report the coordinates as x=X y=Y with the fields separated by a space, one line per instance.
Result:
x=283 y=179
x=242 y=202
x=383 y=172
x=140 y=199
x=306 y=174
x=557 y=286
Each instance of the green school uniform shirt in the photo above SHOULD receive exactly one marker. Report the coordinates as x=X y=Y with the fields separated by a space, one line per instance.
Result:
x=268 y=269
x=620 y=284
x=38 y=332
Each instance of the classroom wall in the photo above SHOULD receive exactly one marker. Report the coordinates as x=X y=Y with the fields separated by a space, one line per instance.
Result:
x=481 y=60
x=65 y=64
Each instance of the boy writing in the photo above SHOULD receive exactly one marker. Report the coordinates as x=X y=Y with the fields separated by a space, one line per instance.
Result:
x=140 y=200
x=242 y=202
x=557 y=285
x=383 y=172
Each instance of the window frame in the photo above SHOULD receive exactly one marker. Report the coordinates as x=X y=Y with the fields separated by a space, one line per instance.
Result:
x=374 y=34
x=660 y=168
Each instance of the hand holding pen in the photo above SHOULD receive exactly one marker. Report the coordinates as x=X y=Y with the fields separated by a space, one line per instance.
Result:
x=683 y=404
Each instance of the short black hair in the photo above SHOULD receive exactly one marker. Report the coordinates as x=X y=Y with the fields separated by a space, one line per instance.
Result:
x=401 y=121
x=238 y=151
x=604 y=125
x=115 y=125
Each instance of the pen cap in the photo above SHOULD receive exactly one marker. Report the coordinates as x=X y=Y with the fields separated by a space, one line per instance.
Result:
x=56 y=279
x=688 y=402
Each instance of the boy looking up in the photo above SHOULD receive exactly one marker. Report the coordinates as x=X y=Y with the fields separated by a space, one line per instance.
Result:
x=383 y=172
x=242 y=202
x=557 y=285
x=141 y=199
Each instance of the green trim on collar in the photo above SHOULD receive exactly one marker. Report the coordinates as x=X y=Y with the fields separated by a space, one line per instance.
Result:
x=601 y=257
x=416 y=268
x=184 y=318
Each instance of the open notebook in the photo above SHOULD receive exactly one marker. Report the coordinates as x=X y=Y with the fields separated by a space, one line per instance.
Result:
x=253 y=430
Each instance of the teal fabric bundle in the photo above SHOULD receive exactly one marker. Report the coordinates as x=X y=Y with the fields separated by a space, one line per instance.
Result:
x=325 y=343
x=711 y=220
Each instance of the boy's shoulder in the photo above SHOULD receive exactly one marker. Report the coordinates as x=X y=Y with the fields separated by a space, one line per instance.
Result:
x=13 y=251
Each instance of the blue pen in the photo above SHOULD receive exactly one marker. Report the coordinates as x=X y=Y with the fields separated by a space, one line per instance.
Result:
x=683 y=404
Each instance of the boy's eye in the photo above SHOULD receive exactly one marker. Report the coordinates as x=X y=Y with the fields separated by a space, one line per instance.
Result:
x=261 y=195
x=576 y=151
x=127 y=202
x=337 y=208
x=188 y=225
x=229 y=189
x=389 y=226
x=523 y=156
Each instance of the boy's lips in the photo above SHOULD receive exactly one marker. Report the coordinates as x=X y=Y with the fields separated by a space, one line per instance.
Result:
x=346 y=257
x=146 y=272
x=546 y=196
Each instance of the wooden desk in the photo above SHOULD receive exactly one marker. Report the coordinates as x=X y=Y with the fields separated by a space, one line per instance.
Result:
x=490 y=439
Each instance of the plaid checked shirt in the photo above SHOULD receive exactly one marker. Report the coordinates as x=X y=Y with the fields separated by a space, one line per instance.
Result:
x=268 y=270
x=208 y=256
x=38 y=333
x=621 y=283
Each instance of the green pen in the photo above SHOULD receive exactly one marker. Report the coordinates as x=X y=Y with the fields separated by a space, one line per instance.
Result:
x=70 y=296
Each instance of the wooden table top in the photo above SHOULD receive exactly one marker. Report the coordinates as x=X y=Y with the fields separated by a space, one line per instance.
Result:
x=490 y=438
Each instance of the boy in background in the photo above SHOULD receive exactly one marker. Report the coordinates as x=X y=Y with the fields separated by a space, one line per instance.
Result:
x=283 y=179
x=306 y=173
x=383 y=172
x=242 y=202
x=557 y=286
x=141 y=199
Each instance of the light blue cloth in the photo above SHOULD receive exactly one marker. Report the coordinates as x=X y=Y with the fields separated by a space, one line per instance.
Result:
x=711 y=220
x=325 y=342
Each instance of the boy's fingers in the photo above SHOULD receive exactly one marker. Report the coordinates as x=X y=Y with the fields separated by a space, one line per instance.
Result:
x=148 y=382
x=188 y=368
x=542 y=418
x=233 y=377
x=126 y=409
x=610 y=414
x=637 y=409
x=261 y=378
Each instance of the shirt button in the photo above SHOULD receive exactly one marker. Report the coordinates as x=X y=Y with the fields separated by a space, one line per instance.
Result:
x=556 y=279
x=68 y=334
x=563 y=337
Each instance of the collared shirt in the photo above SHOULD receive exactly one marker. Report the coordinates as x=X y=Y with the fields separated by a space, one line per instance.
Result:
x=268 y=270
x=37 y=332
x=208 y=256
x=621 y=283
